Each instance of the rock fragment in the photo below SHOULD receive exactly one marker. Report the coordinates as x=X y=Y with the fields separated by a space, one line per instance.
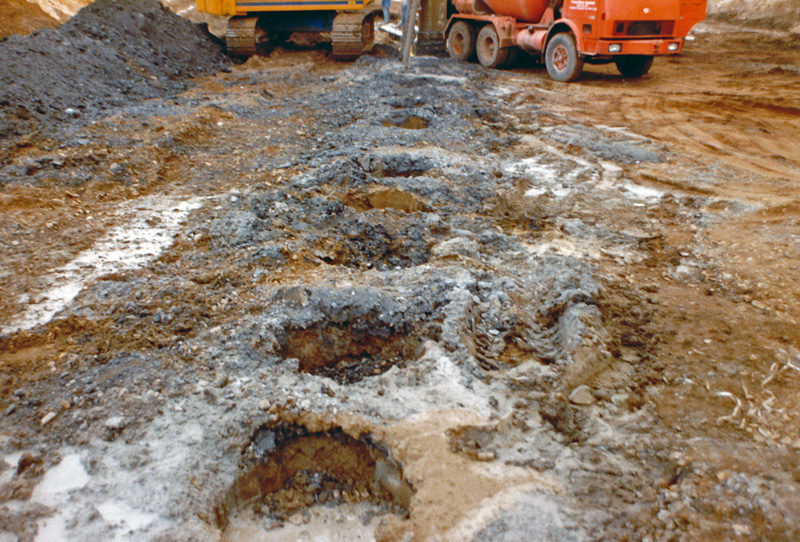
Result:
x=47 y=418
x=115 y=423
x=582 y=395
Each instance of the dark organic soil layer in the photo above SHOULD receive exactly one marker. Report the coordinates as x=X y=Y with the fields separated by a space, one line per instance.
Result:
x=111 y=53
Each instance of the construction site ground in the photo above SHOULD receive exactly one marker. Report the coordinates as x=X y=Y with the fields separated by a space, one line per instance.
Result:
x=296 y=299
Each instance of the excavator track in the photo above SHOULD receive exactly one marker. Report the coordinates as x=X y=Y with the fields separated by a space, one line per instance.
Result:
x=242 y=36
x=352 y=34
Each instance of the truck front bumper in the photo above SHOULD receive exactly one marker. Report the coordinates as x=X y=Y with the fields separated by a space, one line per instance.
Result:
x=640 y=47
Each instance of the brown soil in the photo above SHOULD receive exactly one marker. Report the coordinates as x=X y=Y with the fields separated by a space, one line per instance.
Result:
x=23 y=17
x=727 y=112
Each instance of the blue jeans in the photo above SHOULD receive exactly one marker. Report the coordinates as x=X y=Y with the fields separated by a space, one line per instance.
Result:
x=385 y=5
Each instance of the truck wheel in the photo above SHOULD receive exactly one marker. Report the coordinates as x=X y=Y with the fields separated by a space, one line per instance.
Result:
x=461 y=41
x=490 y=54
x=561 y=58
x=634 y=65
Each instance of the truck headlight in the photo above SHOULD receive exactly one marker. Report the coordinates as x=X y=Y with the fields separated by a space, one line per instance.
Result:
x=614 y=48
x=673 y=46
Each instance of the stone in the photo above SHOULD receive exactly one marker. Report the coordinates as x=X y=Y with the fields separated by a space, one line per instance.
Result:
x=115 y=423
x=741 y=530
x=582 y=395
x=47 y=418
x=27 y=461
x=723 y=475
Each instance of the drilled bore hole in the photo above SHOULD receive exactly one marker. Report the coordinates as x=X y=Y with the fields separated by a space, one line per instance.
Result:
x=387 y=198
x=348 y=352
x=287 y=468
x=409 y=122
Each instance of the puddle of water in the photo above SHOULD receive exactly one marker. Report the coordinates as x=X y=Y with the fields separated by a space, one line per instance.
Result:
x=63 y=478
x=150 y=228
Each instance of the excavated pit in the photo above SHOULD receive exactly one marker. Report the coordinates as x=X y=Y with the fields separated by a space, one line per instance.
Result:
x=287 y=467
x=349 y=352
x=387 y=198
x=409 y=122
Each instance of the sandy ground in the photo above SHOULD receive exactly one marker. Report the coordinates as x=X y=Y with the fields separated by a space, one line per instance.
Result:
x=457 y=304
x=22 y=17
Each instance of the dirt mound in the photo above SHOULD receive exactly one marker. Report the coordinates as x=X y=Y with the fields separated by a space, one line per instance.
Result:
x=22 y=17
x=109 y=54
x=61 y=10
x=783 y=14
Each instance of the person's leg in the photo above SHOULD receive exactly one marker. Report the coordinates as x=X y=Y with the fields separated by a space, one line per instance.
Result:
x=385 y=6
x=403 y=14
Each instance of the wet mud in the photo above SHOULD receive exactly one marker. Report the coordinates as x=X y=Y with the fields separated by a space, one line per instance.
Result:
x=288 y=468
x=373 y=301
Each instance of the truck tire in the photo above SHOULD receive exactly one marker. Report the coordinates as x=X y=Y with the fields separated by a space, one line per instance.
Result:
x=490 y=54
x=562 y=60
x=461 y=41
x=634 y=65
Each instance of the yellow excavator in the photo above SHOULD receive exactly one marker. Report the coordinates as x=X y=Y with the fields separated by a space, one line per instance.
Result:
x=351 y=23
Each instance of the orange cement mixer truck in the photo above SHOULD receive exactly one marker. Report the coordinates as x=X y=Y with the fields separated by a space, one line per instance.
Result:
x=568 y=33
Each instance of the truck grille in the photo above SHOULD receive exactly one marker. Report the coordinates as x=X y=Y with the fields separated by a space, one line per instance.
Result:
x=643 y=28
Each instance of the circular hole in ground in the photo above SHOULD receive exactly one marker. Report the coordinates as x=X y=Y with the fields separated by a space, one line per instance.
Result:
x=409 y=122
x=348 y=352
x=386 y=198
x=288 y=468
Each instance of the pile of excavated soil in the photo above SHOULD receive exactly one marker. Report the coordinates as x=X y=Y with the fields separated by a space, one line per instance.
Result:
x=109 y=54
x=61 y=10
x=783 y=14
x=23 y=17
